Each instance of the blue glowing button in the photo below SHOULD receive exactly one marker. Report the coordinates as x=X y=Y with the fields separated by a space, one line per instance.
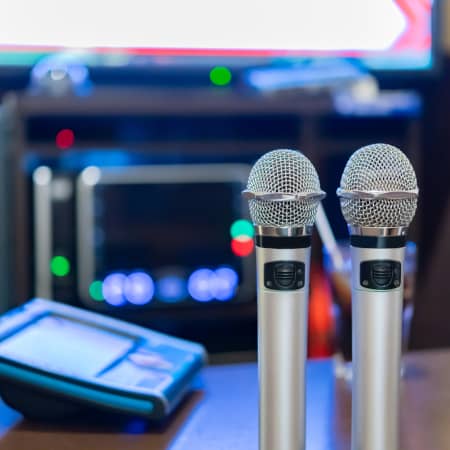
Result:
x=139 y=288
x=146 y=359
x=224 y=283
x=200 y=283
x=171 y=289
x=113 y=289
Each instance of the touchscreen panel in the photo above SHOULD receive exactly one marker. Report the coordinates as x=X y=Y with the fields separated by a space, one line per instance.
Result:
x=57 y=343
x=169 y=243
x=162 y=225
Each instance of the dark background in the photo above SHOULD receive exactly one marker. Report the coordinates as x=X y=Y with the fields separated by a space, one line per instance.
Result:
x=430 y=325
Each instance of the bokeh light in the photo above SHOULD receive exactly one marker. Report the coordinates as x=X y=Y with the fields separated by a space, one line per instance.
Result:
x=60 y=266
x=199 y=285
x=224 y=284
x=138 y=288
x=65 y=139
x=113 y=289
x=220 y=76
x=241 y=227
x=242 y=246
x=171 y=289
x=95 y=291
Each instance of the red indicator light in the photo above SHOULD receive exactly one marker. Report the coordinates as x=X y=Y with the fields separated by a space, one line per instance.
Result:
x=65 y=139
x=242 y=245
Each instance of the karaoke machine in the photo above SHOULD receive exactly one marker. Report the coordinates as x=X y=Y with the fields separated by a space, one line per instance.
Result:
x=142 y=237
x=127 y=202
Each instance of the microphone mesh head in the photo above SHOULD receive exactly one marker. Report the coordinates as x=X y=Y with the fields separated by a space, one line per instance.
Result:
x=285 y=172
x=379 y=167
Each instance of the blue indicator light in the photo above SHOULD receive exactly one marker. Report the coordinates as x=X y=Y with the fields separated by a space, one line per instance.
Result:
x=136 y=426
x=199 y=285
x=224 y=283
x=113 y=289
x=171 y=289
x=138 y=288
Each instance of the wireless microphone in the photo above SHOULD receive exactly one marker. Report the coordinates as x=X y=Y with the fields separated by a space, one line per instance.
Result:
x=283 y=192
x=378 y=195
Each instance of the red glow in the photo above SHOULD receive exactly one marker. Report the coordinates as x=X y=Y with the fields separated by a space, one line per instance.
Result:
x=242 y=245
x=417 y=34
x=65 y=139
x=321 y=329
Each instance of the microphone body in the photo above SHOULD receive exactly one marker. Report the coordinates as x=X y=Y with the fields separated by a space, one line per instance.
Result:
x=378 y=195
x=282 y=348
x=284 y=193
x=377 y=325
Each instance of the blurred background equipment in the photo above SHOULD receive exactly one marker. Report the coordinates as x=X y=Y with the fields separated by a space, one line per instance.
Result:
x=57 y=361
x=144 y=242
x=381 y=34
x=133 y=208
x=145 y=236
x=124 y=152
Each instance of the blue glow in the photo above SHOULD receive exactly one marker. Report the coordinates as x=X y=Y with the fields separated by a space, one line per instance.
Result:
x=69 y=387
x=139 y=288
x=171 y=289
x=113 y=289
x=136 y=426
x=75 y=160
x=199 y=285
x=53 y=72
x=224 y=284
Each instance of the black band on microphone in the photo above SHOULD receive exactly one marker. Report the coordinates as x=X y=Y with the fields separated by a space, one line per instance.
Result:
x=378 y=241
x=283 y=242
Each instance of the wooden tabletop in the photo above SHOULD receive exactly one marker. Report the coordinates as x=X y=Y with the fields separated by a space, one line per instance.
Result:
x=223 y=415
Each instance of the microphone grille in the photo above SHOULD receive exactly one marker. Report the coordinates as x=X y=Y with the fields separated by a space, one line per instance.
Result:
x=288 y=172
x=379 y=167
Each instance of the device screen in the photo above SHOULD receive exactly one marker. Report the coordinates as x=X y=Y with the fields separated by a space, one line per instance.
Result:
x=171 y=240
x=67 y=346
x=154 y=225
x=399 y=30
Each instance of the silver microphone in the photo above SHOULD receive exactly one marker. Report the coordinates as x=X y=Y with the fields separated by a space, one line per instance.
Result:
x=378 y=195
x=283 y=192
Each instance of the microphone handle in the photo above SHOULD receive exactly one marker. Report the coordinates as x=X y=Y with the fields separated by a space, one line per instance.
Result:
x=376 y=348
x=282 y=351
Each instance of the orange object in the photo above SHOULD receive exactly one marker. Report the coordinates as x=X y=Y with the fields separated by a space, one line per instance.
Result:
x=321 y=320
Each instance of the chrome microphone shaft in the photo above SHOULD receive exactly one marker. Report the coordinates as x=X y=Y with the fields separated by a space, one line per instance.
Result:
x=376 y=346
x=282 y=338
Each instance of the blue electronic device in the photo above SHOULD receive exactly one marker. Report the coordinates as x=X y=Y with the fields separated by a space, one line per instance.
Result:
x=56 y=360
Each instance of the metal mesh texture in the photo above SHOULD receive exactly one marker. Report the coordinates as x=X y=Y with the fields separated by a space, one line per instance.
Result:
x=286 y=172
x=378 y=167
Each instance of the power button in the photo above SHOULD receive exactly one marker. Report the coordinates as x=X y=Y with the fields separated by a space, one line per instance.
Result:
x=381 y=274
x=284 y=275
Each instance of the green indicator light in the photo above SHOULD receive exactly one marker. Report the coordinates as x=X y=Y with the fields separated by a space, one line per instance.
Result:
x=241 y=228
x=95 y=290
x=60 y=266
x=220 y=76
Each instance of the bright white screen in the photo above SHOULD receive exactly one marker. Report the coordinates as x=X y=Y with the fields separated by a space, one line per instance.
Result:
x=316 y=25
